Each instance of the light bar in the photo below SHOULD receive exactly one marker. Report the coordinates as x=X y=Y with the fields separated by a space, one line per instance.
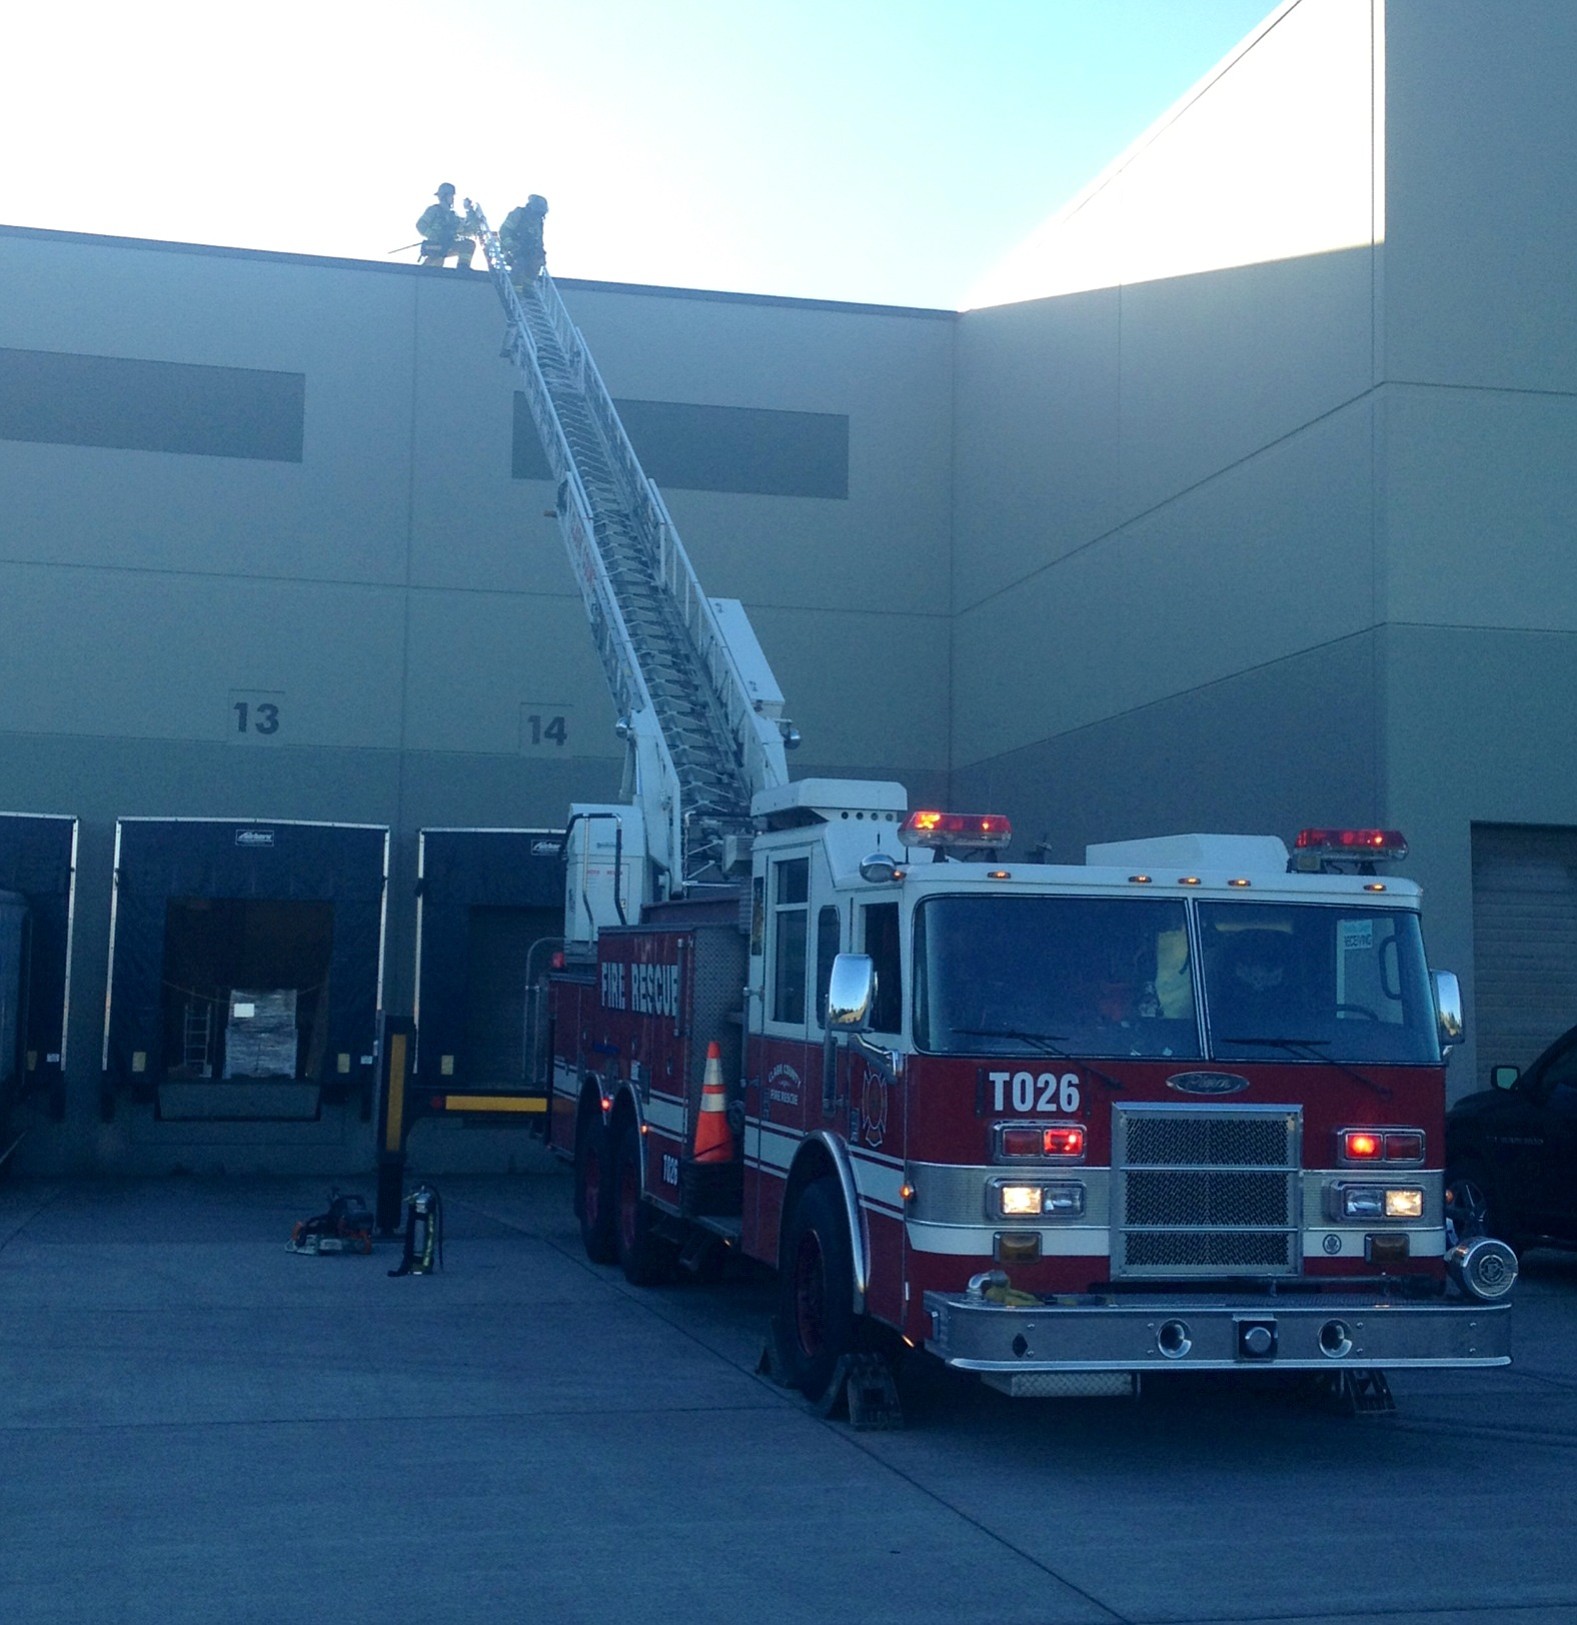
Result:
x=955 y=829
x=1378 y=845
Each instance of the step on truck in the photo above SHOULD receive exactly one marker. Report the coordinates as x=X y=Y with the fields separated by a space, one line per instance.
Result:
x=1177 y=1108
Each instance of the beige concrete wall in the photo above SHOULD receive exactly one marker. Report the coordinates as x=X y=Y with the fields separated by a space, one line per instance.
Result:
x=1166 y=482
x=1480 y=434
x=1482 y=203
x=399 y=595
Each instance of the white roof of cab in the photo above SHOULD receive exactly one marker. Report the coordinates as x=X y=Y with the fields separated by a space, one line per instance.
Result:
x=828 y=797
x=1241 y=854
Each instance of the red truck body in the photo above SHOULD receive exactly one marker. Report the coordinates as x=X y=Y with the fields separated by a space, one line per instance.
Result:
x=1113 y=1180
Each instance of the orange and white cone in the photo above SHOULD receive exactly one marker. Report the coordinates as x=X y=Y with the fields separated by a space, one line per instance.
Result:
x=714 y=1139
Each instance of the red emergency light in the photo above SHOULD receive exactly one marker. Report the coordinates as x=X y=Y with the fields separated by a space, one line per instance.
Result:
x=1377 y=845
x=1404 y=1145
x=929 y=828
x=1037 y=1140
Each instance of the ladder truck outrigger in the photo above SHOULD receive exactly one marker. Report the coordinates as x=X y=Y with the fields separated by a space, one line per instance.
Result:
x=1177 y=1108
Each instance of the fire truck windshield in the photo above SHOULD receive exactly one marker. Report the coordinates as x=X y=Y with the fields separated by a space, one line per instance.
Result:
x=1109 y=976
x=1060 y=975
x=1316 y=982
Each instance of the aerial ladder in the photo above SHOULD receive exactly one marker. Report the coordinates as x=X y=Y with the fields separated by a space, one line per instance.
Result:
x=697 y=706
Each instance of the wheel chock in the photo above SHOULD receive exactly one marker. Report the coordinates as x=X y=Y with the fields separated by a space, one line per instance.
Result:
x=864 y=1381
x=767 y=1363
x=1366 y=1393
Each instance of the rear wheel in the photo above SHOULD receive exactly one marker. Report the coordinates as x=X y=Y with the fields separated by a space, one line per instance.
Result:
x=816 y=1323
x=594 y=1190
x=644 y=1256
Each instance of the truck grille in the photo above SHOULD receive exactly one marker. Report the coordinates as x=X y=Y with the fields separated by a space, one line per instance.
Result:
x=1205 y=1190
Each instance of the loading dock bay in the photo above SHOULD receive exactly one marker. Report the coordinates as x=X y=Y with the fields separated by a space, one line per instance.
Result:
x=246 y=968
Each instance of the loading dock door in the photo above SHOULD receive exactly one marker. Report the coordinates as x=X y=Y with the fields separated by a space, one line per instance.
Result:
x=246 y=966
x=490 y=909
x=1524 y=941
x=38 y=863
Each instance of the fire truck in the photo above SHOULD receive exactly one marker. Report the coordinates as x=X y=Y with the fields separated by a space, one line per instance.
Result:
x=1177 y=1108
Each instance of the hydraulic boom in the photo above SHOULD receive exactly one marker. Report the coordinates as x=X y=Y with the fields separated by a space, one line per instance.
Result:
x=698 y=708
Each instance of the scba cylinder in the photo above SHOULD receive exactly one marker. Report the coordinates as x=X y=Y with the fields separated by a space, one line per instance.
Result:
x=423 y=1232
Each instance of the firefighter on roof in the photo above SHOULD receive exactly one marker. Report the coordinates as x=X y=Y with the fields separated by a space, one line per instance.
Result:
x=520 y=237
x=442 y=232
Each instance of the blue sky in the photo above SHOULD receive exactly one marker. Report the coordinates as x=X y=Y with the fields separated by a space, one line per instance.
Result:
x=870 y=150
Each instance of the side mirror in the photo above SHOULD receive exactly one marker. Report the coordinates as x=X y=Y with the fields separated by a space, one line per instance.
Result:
x=1504 y=1077
x=1448 y=1008
x=851 y=993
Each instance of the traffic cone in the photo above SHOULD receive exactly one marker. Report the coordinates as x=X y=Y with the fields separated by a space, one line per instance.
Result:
x=714 y=1139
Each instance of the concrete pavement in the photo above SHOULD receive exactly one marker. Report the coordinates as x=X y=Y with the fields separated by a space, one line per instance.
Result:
x=196 y=1424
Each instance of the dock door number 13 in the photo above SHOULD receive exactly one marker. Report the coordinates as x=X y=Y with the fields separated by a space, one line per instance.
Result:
x=256 y=716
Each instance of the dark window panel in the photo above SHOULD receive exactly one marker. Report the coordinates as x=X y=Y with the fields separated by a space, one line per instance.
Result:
x=745 y=449
x=91 y=400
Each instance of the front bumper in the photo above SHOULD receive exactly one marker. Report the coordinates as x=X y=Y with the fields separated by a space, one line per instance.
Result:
x=1150 y=1332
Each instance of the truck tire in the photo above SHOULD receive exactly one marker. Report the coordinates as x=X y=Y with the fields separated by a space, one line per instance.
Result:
x=816 y=1323
x=594 y=1205
x=1467 y=1203
x=643 y=1255
x=1473 y=1206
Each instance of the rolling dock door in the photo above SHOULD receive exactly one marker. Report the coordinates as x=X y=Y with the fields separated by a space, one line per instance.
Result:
x=38 y=866
x=246 y=967
x=490 y=910
x=1525 y=941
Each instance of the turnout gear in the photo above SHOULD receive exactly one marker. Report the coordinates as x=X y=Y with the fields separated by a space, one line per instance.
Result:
x=520 y=237
x=442 y=232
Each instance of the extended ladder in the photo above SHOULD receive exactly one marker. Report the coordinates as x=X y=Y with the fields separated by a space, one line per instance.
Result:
x=698 y=707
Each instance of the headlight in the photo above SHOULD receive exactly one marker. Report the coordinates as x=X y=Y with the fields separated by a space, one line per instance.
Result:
x=1058 y=1199
x=1381 y=1202
x=1019 y=1200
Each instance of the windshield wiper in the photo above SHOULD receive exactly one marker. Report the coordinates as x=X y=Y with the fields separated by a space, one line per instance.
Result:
x=1045 y=1043
x=1311 y=1049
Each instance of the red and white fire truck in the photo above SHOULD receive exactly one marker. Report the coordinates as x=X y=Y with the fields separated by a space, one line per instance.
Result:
x=1180 y=1107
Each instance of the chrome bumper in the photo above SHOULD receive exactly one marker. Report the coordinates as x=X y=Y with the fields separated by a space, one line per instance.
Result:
x=1152 y=1333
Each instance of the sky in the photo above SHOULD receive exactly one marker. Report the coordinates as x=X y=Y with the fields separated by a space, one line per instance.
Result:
x=877 y=151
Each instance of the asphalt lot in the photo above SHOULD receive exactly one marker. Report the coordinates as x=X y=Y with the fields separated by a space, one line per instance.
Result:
x=196 y=1424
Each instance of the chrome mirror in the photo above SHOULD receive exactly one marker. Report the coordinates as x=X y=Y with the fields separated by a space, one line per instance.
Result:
x=1448 y=1007
x=851 y=993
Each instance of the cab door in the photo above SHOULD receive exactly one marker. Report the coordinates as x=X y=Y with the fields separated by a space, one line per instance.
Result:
x=782 y=1086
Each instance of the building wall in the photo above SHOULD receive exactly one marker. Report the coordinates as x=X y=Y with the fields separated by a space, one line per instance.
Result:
x=1245 y=542
x=1166 y=515
x=1289 y=542
x=1480 y=436
x=387 y=584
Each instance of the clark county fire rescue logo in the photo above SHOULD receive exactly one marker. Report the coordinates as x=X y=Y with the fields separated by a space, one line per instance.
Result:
x=783 y=1087
x=873 y=1108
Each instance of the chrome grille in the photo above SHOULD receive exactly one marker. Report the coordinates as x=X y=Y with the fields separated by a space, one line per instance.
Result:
x=1205 y=1190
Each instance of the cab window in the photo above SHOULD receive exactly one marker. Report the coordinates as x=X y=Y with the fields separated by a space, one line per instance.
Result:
x=879 y=934
x=829 y=939
x=790 y=928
